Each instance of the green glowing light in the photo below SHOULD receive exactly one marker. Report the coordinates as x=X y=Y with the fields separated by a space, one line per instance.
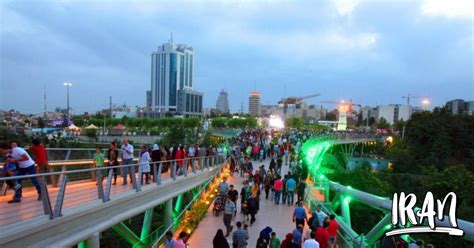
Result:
x=347 y=199
x=179 y=203
x=314 y=151
x=349 y=187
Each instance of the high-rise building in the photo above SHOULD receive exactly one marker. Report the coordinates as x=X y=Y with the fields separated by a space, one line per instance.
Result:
x=254 y=103
x=222 y=103
x=172 y=81
x=394 y=112
x=456 y=106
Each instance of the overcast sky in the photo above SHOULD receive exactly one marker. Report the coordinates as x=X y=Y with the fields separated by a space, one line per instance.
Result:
x=372 y=52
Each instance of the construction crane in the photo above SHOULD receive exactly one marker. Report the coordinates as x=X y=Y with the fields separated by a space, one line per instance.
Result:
x=294 y=101
x=408 y=97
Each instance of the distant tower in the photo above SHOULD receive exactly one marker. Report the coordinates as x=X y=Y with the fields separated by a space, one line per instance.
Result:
x=222 y=103
x=254 y=103
x=45 y=114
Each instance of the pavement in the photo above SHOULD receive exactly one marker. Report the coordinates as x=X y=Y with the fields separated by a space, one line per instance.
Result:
x=278 y=217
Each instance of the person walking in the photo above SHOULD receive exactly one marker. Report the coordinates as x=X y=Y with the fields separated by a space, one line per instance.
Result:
x=290 y=190
x=112 y=156
x=277 y=187
x=322 y=236
x=274 y=241
x=219 y=240
x=332 y=230
x=311 y=243
x=252 y=206
x=297 y=236
x=144 y=165
x=26 y=166
x=239 y=237
x=127 y=160
x=233 y=195
x=180 y=243
x=229 y=211
x=268 y=182
x=180 y=160
x=301 y=189
x=286 y=243
x=299 y=215
x=155 y=160
x=41 y=159
x=169 y=240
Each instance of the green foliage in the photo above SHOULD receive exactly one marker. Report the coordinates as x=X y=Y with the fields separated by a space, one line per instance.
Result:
x=176 y=135
x=41 y=123
x=219 y=122
x=382 y=123
x=91 y=133
x=294 y=122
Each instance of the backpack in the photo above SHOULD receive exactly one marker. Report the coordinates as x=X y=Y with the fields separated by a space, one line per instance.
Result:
x=261 y=243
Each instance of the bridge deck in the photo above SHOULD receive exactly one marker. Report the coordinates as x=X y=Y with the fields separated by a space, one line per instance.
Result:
x=77 y=194
x=278 y=217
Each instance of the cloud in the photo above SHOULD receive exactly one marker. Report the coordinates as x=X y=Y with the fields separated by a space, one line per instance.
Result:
x=448 y=8
x=345 y=7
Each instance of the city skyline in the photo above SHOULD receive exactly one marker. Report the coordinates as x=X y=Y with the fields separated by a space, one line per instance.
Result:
x=376 y=52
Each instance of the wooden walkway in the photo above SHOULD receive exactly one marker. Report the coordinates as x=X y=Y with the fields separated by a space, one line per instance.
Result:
x=77 y=194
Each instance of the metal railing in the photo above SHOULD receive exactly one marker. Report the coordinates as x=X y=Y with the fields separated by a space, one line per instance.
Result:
x=103 y=188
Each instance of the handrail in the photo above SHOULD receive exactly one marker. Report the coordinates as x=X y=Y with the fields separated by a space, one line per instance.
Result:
x=101 y=168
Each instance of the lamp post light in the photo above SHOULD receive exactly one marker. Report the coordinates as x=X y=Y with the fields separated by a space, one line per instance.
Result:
x=67 y=84
x=425 y=103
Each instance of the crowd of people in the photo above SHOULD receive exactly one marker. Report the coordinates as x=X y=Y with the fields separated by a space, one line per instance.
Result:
x=31 y=160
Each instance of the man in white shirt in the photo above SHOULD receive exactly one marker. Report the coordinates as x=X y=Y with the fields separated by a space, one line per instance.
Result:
x=311 y=243
x=26 y=166
x=127 y=158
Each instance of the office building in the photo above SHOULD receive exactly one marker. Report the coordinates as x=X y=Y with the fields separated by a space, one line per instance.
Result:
x=222 y=103
x=254 y=103
x=456 y=106
x=394 y=112
x=172 y=81
x=469 y=107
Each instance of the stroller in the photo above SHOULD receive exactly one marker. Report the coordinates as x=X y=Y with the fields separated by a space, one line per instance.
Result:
x=219 y=203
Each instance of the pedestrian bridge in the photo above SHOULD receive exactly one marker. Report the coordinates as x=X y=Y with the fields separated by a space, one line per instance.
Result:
x=80 y=210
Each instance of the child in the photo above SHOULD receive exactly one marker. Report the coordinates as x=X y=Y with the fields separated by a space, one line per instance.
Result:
x=98 y=160
x=274 y=241
x=144 y=164
x=9 y=170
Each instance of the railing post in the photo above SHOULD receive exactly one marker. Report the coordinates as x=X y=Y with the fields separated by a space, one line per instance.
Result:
x=154 y=164
x=134 y=179
x=108 y=185
x=173 y=170
x=158 y=177
x=45 y=199
x=60 y=197
x=168 y=215
x=185 y=167
x=193 y=165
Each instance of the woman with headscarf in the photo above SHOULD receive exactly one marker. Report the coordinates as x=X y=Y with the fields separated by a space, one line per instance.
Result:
x=287 y=242
x=155 y=159
x=219 y=240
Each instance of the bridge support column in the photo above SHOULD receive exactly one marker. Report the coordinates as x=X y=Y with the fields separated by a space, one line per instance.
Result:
x=345 y=209
x=379 y=229
x=168 y=209
x=146 y=227
x=126 y=233
x=92 y=242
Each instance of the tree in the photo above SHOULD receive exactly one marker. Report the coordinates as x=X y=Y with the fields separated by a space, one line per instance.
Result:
x=382 y=123
x=91 y=133
x=41 y=123
x=219 y=122
x=294 y=122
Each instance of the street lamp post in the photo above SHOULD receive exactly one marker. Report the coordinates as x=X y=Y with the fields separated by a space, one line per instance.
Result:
x=67 y=84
